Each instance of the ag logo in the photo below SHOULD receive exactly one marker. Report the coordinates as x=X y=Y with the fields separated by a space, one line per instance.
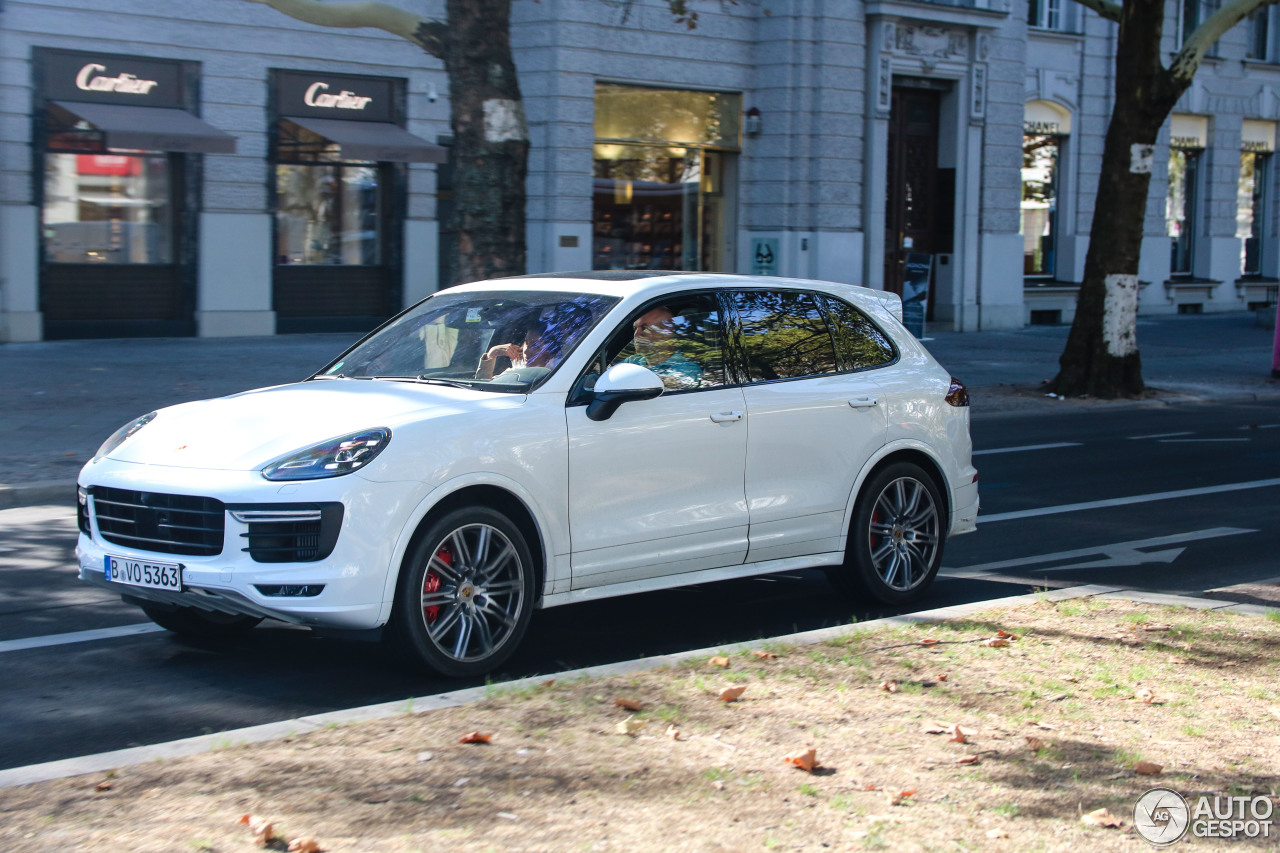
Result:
x=1161 y=816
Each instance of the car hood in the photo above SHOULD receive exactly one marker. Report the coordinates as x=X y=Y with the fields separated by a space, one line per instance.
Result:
x=245 y=431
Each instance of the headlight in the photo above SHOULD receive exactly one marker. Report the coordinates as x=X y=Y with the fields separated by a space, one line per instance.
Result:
x=122 y=435
x=331 y=458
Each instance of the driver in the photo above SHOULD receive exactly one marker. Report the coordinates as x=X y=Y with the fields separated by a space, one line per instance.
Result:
x=535 y=350
x=658 y=348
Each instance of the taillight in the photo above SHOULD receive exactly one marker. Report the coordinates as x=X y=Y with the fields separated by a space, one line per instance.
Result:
x=957 y=394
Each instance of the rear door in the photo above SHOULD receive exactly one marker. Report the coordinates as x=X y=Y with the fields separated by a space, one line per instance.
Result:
x=814 y=421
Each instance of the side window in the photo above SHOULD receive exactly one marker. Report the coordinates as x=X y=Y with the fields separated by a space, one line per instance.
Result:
x=678 y=338
x=784 y=334
x=859 y=342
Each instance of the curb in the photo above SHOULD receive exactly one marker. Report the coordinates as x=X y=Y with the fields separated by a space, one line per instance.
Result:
x=105 y=761
x=38 y=493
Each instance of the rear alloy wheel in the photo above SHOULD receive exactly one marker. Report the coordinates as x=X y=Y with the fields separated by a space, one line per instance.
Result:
x=202 y=624
x=895 y=544
x=466 y=594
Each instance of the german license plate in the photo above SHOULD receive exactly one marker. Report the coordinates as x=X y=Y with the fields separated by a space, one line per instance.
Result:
x=143 y=573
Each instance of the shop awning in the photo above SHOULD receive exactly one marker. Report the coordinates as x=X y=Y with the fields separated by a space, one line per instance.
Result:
x=152 y=128
x=374 y=140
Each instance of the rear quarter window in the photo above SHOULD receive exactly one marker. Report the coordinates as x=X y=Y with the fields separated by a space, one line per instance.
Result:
x=860 y=343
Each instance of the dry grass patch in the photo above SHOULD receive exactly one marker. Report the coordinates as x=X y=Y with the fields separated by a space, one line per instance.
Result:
x=962 y=743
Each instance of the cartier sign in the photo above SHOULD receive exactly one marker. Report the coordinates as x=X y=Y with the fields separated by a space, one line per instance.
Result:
x=111 y=79
x=313 y=94
x=91 y=79
x=316 y=96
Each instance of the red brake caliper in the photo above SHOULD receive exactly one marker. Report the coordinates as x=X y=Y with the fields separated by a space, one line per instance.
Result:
x=432 y=583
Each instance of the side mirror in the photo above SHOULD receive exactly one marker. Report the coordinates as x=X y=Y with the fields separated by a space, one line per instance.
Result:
x=620 y=384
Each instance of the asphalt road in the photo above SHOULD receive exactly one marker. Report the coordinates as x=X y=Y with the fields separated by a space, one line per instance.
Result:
x=1172 y=498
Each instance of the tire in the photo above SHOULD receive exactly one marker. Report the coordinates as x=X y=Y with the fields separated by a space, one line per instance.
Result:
x=465 y=594
x=202 y=624
x=895 y=544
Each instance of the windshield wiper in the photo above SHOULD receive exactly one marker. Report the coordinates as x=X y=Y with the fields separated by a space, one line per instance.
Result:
x=435 y=380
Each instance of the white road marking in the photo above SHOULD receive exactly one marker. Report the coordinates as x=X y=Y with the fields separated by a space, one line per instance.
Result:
x=1200 y=440
x=1159 y=435
x=1115 y=555
x=1026 y=447
x=26 y=643
x=1135 y=499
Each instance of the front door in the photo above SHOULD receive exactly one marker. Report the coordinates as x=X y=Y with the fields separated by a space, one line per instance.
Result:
x=912 y=186
x=658 y=487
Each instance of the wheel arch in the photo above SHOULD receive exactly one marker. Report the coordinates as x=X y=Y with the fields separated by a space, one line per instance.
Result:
x=444 y=500
x=913 y=453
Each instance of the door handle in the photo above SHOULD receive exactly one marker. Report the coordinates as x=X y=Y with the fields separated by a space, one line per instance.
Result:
x=864 y=402
x=726 y=417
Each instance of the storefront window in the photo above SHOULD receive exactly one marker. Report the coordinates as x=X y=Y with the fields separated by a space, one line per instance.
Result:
x=1250 y=208
x=107 y=209
x=1181 y=207
x=663 y=178
x=327 y=209
x=1040 y=153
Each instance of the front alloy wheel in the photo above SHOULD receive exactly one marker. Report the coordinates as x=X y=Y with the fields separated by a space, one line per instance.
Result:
x=466 y=599
x=895 y=546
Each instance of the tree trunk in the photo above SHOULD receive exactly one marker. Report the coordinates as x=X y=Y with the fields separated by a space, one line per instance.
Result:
x=1101 y=357
x=491 y=144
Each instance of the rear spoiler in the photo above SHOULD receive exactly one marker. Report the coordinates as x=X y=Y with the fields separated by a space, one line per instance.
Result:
x=892 y=302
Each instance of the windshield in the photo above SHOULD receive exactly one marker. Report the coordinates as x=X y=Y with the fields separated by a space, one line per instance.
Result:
x=504 y=340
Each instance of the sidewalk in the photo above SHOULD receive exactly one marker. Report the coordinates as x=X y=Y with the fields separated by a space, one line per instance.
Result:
x=61 y=399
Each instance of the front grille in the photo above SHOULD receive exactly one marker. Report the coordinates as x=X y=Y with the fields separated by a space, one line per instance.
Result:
x=168 y=524
x=289 y=533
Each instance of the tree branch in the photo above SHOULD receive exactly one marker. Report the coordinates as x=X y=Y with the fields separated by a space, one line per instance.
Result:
x=426 y=33
x=1187 y=61
x=1105 y=8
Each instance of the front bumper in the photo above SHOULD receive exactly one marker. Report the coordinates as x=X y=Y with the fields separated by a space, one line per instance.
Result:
x=355 y=576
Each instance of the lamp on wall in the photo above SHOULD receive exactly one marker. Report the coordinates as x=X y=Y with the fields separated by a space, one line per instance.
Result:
x=753 y=122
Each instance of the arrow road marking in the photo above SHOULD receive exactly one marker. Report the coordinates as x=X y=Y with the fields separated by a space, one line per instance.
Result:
x=1112 y=556
x=1135 y=499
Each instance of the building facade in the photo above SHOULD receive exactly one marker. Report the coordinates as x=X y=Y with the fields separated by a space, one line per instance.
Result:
x=183 y=168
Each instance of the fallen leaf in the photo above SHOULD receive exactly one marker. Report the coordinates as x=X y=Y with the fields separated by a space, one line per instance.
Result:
x=730 y=694
x=1157 y=627
x=1177 y=659
x=673 y=733
x=1146 y=695
x=996 y=642
x=548 y=683
x=718 y=784
x=997 y=833
x=507 y=816
x=764 y=655
x=1045 y=726
x=942 y=676
x=901 y=797
x=935 y=728
x=1005 y=635
x=425 y=756
x=719 y=661
x=1230 y=663
x=889 y=686
x=262 y=829
x=969 y=759
x=957 y=736
x=629 y=726
x=1146 y=768
x=475 y=737
x=629 y=704
x=1034 y=743
x=867 y=788
x=102 y=786
x=928 y=641
x=305 y=844
x=1102 y=817
x=806 y=759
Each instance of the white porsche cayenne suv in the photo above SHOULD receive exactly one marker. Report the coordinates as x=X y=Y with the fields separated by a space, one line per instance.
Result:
x=528 y=442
